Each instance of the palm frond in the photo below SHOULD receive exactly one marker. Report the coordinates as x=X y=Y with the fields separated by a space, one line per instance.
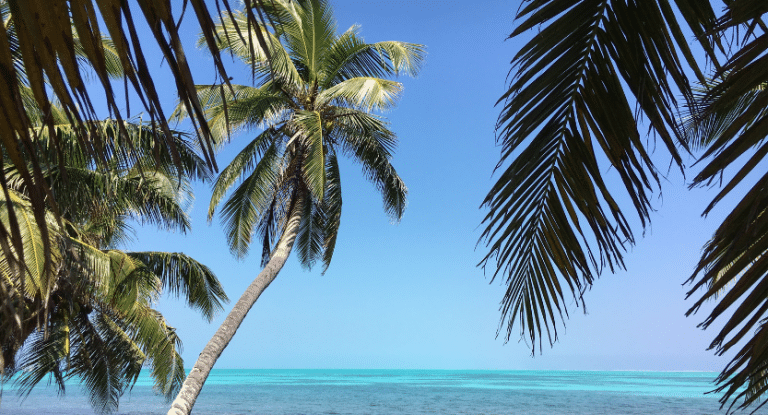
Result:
x=159 y=343
x=350 y=57
x=46 y=359
x=106 y=362
x=309 y=125
x=238 y=34
x=702 y=129
x=245 y=207
x=368 y=140
x=263 y=146
x=184 y=277
x=307 y=28
x=240 y=108
x=37 y=280
x=363 y=93
x=553 y=225
x=730 y=117
x=331 y=208
x=309 y=239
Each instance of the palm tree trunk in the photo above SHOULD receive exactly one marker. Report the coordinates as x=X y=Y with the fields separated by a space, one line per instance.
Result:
x=187 y=396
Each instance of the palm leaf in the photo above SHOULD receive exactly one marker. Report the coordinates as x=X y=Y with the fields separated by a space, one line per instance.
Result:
x=310 y=127
x=244 y=208
x=368 y=140
x=239 y=35
x=309 y=239
x=553 y=225
x=331 y=208
x=240 y=108
x=350 y=57
x=184 y=277
x=730 y=118
x=363 y=93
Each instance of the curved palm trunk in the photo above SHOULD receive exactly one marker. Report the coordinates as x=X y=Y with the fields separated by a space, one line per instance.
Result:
x=193 y=384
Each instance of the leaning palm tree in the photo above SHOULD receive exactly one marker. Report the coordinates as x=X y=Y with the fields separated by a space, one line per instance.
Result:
x=90 y=317
x=317 y=96
x=582 y=91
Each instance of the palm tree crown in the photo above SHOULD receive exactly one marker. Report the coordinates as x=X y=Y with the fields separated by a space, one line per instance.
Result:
x=90 y=316
x=316 y=96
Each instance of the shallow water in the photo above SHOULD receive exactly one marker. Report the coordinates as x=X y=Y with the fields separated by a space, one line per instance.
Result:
x=283 y=392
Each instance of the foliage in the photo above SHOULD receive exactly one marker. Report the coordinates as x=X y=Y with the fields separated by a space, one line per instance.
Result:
x=580 y=90
x=55 y=44
x=317 y=95
x=90 y=316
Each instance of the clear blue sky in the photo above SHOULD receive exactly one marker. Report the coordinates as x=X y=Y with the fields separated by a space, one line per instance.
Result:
x=410 y=295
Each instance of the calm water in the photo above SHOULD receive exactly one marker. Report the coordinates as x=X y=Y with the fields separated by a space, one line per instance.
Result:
x=283 y=392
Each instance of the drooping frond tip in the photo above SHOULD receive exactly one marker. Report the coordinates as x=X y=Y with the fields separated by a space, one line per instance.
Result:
x=553 y=224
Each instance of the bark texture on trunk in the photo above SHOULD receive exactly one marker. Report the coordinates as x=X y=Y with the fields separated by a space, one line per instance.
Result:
x=193 y=384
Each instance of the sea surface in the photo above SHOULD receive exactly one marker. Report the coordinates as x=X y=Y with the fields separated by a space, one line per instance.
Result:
x=283 y=392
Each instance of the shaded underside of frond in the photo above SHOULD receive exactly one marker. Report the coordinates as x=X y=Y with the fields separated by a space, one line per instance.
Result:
x=240 y=108
x=186 y=278
x=261 y=202
x=367 y=139
x=731 y=119
x=553 y=224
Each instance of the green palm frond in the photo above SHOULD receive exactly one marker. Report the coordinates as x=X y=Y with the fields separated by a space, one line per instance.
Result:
x=184 y=277
x=308 y=29
x=46 y=359
x=238 y=34
x=368 y=140
x=247 y=204
x=105 y=359
x=309 y=240
x=350 y=57
x=262 y=147
x=37 y=280
x=363 y=93
x=310 y=127
x=553 y=225
x=149 y=198
x=104 y=331
x=160 y=344
x=240 y=108
x=331 y=208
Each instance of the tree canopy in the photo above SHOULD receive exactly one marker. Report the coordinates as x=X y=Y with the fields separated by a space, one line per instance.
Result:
x=40 y=37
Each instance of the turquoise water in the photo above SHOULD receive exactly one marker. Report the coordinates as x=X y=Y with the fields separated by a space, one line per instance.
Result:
x=283 y=392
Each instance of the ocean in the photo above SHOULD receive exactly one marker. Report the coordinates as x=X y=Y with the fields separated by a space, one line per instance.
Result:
x=283 y=392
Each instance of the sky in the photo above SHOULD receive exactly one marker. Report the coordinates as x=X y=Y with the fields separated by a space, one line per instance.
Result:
x=410 y=295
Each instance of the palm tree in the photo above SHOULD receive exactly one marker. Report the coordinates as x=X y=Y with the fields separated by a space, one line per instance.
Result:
x=317 y=95
x=40 y=37
x=91 y=317
x=77 y=306
x=595 y=73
